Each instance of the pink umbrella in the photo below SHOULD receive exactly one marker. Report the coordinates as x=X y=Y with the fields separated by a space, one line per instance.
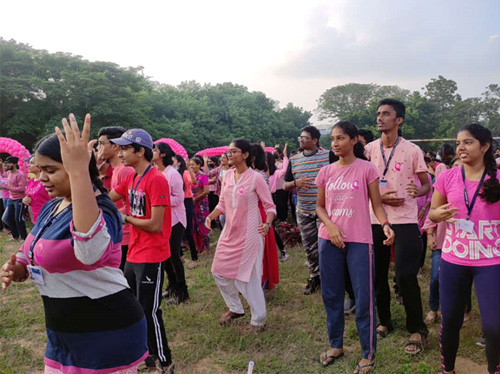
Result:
x=176 y=147
x=269 y=149
x=14 y=148
x=210 y=152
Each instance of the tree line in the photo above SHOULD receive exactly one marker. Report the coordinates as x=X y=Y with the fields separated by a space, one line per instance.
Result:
x=38 y=88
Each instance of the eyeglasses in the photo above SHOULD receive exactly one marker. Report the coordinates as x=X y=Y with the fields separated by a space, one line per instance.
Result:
x=303 y=138
x=231 y=152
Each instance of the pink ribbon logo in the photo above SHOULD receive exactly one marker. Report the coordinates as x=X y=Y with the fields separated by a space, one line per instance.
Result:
x=355 y=185
x=397 y=166
x=241 y=190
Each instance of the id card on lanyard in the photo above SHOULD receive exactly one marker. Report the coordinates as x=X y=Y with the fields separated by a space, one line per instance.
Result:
x=383 y=181
x=35 y=272
x=466 y=224
x=135 y=206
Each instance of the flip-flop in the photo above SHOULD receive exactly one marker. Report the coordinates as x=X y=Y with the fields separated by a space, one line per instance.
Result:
x=418 y=343
x=371 y=366
x=332 y=359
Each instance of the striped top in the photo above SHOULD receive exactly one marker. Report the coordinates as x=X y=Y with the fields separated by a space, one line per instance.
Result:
x=94 y=322
x=307 y=166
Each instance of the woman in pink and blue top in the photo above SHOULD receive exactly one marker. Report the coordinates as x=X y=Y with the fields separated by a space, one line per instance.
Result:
x=468 y=199
x=36 y=195
x=345 y=239
x=237 y=266
x=94 y=323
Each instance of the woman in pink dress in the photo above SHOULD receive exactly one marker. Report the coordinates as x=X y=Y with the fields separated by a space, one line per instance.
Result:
x=36 y=195
x=200 y=199
x=237 y=265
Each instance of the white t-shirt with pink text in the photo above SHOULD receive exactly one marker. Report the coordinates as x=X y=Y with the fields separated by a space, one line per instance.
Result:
x=482 y=246
x=347 y=199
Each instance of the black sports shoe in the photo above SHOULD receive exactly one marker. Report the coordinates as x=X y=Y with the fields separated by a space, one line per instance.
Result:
x=313 y=285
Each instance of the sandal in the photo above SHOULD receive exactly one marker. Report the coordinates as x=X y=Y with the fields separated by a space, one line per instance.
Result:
x=330 y=359
x=418 y=343
x=360 y=368
x=228 y=317
x=382 y=334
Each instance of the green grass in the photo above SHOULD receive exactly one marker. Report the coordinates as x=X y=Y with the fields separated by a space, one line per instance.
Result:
x=294 y=338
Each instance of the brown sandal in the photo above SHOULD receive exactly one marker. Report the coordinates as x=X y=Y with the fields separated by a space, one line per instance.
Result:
x=228 y=317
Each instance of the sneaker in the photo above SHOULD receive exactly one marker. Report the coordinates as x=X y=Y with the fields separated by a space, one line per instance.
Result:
x=481 y=342
x=284 y=256
x=313 y=285
x=349 y=306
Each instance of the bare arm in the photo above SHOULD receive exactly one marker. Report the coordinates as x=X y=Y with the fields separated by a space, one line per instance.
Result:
x=154 y=224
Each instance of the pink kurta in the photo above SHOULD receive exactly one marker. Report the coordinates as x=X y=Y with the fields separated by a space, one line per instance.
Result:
x=240 y=242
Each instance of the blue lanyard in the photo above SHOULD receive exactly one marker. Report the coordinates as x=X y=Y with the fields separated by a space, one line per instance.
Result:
x=134 y=189
x=386 y=163
x=49 y=221
x=466 y=195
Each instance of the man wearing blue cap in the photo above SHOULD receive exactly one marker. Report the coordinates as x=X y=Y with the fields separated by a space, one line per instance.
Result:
x=148 y=200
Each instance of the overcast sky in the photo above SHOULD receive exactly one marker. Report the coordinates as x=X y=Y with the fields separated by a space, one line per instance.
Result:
x=291 y=50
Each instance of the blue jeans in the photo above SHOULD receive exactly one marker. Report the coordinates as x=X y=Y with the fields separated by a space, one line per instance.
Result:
x=360 y=262
x=15 y=218
x=434 y=285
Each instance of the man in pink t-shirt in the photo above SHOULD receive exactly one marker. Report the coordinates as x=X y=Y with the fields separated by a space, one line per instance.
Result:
x=109 y=152
x=398 y=162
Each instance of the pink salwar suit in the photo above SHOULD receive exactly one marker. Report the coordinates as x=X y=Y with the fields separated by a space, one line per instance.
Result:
x=237 y=265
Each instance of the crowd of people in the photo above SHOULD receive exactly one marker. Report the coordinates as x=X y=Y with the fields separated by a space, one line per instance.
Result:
x=112 y=215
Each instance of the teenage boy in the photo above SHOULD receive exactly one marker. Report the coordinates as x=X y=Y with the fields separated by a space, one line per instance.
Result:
x=148 y=201
x=398 y=162
x=16 y=185
x=301 y=174
x=109 y=152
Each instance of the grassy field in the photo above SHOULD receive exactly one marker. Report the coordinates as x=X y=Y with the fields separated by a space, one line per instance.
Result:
x=294 y=338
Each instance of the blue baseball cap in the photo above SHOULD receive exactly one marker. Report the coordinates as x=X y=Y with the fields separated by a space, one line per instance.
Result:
x=137 y=136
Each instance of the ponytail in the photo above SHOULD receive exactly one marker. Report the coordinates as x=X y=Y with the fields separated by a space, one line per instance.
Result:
x=490 y=192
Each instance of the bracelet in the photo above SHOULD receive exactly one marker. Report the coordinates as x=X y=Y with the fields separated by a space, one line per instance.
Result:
x=386 y=223
x=268 y=225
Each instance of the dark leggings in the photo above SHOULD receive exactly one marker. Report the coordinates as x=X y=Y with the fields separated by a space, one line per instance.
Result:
x=454 y=281
x=280 y=199
x=174 y=266
x=188 y=233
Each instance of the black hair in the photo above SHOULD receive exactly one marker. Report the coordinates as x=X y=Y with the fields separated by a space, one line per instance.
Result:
x=182 y=162
x=245 y=147
x=448 y=152
x=313 y=131
x=279 y=150
x=258 y=157
x=215 y=160
x=50 y=147
x=352 y=131
x=197 y=160
x=167 y=150
x=490 y=193
x=271 y=163
x=200 y=158
x=433 y=155
x=397 y=105
x=427 y=159
x=148 y=152
x=112 y=132
x=367 y=135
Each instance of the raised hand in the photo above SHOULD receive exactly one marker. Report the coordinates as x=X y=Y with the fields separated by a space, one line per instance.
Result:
x=75 y=152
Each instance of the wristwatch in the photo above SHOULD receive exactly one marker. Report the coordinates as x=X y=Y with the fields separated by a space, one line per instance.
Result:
x=268 y=225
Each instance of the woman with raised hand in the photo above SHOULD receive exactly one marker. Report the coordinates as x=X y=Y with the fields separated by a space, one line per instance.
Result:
x=237 y=265
x=345 y=241
x=94 y=323
x=468 y=199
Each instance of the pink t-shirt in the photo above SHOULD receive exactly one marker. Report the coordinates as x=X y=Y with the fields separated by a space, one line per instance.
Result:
x=407 y=161
x=186 y=177
x=346 y=199
x=481 y=247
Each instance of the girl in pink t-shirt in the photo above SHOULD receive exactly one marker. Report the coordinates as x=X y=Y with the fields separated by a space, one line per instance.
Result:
x=345 y=239
x=468 y=199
